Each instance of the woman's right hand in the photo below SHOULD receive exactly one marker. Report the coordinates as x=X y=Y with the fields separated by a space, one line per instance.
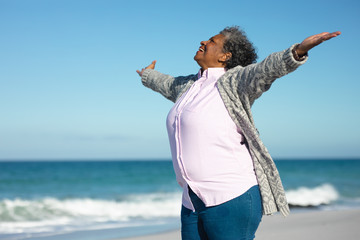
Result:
x=313 y=41
x=151 y=66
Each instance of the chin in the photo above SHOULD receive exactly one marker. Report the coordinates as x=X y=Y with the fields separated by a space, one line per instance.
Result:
x=197 y=58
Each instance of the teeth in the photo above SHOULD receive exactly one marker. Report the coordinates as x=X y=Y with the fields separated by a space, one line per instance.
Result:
x=201 y=50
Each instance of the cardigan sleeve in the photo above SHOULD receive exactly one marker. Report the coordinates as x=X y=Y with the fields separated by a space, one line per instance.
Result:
x=257 y=78
x=168 y=86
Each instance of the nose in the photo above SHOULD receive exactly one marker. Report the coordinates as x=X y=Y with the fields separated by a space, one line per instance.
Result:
x=203 y=42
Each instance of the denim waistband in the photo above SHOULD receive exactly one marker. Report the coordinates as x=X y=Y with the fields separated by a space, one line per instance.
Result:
x=199 y=205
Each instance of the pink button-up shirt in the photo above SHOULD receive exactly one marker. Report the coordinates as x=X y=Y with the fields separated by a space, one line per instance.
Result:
x=207 y=147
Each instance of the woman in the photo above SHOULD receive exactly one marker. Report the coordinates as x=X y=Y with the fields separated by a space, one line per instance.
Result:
x=228 y=177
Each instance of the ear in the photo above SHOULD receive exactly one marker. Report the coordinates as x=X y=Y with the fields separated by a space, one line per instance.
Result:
x=225 y=57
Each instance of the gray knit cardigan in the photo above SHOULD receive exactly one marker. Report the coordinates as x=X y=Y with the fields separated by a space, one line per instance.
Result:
x=239 y=87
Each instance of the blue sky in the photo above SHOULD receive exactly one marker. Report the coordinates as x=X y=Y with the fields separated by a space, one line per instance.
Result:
x=69 y=90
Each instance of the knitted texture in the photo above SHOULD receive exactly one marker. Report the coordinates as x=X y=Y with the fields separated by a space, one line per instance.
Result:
x=239 y=87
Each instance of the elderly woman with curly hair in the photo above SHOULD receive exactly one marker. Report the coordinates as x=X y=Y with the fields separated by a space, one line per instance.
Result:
x=229 y=179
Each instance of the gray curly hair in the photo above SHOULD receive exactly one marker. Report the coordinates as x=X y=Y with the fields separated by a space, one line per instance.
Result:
x=242 y=50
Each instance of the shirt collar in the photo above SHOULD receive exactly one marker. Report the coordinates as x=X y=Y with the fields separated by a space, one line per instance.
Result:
x=212 y=72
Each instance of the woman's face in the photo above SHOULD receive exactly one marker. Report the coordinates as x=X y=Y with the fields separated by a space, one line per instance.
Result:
x=210 y=53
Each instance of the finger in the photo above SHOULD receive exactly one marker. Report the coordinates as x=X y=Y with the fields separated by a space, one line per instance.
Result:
x=331 y=35
x=318 y=38
x=140 y=72
x=335 y=34
x=322 y=34
x=152 y=65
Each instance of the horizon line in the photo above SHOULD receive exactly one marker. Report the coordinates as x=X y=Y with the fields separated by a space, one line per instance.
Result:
x=160 y=159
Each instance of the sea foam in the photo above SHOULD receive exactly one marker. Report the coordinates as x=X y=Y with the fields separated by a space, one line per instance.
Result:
x=63 y=215
x=312 y=197
x=24 y=216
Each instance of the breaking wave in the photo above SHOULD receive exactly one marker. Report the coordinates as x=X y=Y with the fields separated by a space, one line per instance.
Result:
x=52 y=214
x=312 y=197
x=47 y=215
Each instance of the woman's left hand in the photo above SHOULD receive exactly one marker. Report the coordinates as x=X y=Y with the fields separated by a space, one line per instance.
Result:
x=151 y=66
x=313 y=41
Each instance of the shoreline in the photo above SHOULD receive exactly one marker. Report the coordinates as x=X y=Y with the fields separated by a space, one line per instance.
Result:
x=316 y=225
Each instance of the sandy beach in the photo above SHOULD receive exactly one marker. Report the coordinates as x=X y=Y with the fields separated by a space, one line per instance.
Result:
x=315 y=225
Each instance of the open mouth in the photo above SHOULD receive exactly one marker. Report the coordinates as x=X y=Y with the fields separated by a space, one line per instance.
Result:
x=201 y=50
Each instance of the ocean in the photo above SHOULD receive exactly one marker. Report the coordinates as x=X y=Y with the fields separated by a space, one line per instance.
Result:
x=99 y=200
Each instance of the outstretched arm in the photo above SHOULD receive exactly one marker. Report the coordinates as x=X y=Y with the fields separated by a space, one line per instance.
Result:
x=257 y=78
x=151 y=66
x=313 y=41
x=166 y=85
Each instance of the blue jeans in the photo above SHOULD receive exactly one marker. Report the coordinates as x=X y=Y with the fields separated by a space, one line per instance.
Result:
x=236 y=219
